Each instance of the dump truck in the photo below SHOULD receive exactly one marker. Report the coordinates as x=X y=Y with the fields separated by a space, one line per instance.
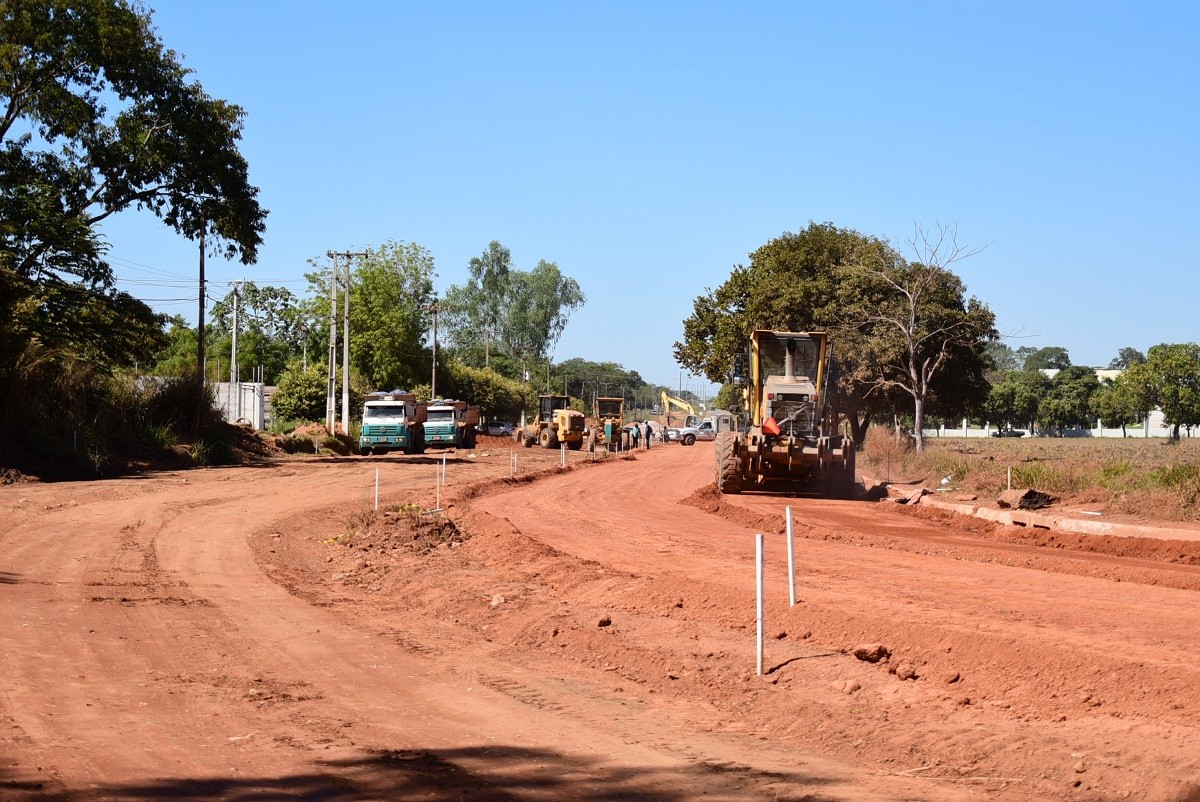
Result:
x=785 y=375
x=392 y=421
x=605 y=430
x=557 y=423
x=451 y=424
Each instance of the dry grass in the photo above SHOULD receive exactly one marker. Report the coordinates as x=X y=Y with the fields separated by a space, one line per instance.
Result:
x=1134 y=476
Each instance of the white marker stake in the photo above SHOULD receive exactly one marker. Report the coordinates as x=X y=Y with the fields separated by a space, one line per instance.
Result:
x=443 y=469
x=1010 y=478
x=377 y=488
x=791 y=561
x=758 y=553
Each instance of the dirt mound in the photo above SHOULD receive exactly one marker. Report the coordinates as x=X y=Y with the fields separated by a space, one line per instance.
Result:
x=313 y=430
x=406 y=528
x=710 y=500
x=11 y=476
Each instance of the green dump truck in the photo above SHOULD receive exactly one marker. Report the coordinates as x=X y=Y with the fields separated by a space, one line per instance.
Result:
x=451 y=424
x=392 y=421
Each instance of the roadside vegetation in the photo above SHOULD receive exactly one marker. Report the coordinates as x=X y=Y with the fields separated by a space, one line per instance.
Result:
x=1136 y=476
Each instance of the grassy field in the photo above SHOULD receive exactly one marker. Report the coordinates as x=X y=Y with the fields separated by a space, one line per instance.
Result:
x=1148 y=478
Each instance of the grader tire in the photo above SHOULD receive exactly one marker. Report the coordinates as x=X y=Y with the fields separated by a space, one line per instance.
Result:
x=575 y=445
x=842 y=480
x=849 y=481
x=729 y=467
x=548 y=438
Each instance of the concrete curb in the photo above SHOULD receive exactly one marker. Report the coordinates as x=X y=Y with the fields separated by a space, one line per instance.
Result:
x=1061 y=523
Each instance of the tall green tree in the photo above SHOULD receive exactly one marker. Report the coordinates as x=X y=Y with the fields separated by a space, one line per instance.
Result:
x=1068 y=402
x=925 y=327
x=1125 y=357
x=537 y=307
x=794 y=282
x=97 y=117
x=506 y=318
x=391 y=308
x=1170 y=380
x=481 y=301
x=1002 y=358
x=1049 y=358
x=1016 y=398
x=1116 y=403
x=896 y=328
x=271 y=328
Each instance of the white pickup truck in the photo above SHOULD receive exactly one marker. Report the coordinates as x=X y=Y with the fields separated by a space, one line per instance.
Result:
x=706 y=429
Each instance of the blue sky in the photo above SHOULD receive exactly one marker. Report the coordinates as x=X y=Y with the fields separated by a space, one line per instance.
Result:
x=647 y=148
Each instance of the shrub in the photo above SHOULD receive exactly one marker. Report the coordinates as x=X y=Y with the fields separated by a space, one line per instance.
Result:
x=301 y=393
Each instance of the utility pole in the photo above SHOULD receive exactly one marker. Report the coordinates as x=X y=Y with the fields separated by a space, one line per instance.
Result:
x=235 y=371
x=330 y=407
x=234 y=374
x=200 y=339
x=346 y=352
x=433 y=378
x=304 y=347
x=331 y=387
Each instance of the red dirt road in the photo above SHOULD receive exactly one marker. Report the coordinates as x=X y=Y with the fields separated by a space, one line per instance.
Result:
x=259 y=633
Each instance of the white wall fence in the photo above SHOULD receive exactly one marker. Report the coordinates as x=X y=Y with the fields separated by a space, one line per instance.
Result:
x=1155 y=428
x=243 y=402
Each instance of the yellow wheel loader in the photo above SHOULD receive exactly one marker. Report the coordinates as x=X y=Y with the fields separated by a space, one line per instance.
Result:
x=557 y=423
x=785 y=375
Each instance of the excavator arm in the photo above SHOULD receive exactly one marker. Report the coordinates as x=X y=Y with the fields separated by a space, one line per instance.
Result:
x=669 y=400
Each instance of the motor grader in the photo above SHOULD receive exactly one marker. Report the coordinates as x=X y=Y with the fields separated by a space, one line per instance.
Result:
x=557 y=423
x=605 y=429
x=785 y=375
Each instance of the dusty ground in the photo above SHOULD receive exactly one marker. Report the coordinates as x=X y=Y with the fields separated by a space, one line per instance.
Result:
x=262 y=633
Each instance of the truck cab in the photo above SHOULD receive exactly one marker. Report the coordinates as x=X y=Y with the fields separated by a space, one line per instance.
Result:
x=695 y=428
x=450 y=424
x=392 y=421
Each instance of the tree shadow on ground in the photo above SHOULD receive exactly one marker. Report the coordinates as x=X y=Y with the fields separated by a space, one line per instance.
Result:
x=477 y=774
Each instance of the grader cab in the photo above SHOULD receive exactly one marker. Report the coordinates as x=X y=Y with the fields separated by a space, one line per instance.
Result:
x=606 y=427
x=791 y=437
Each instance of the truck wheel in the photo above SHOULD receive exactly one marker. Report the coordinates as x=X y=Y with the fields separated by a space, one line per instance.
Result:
x=729 y=467
x=362 y=452
x=688 y=440
x=469 y=438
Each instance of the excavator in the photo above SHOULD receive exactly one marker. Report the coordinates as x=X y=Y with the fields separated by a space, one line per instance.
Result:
x=669 y=400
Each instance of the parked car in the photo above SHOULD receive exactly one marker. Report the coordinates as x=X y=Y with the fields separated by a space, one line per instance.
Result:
x=1009 y=433
x=498 y=428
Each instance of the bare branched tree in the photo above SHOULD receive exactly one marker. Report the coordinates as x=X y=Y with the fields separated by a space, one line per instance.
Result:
x=924 y=318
